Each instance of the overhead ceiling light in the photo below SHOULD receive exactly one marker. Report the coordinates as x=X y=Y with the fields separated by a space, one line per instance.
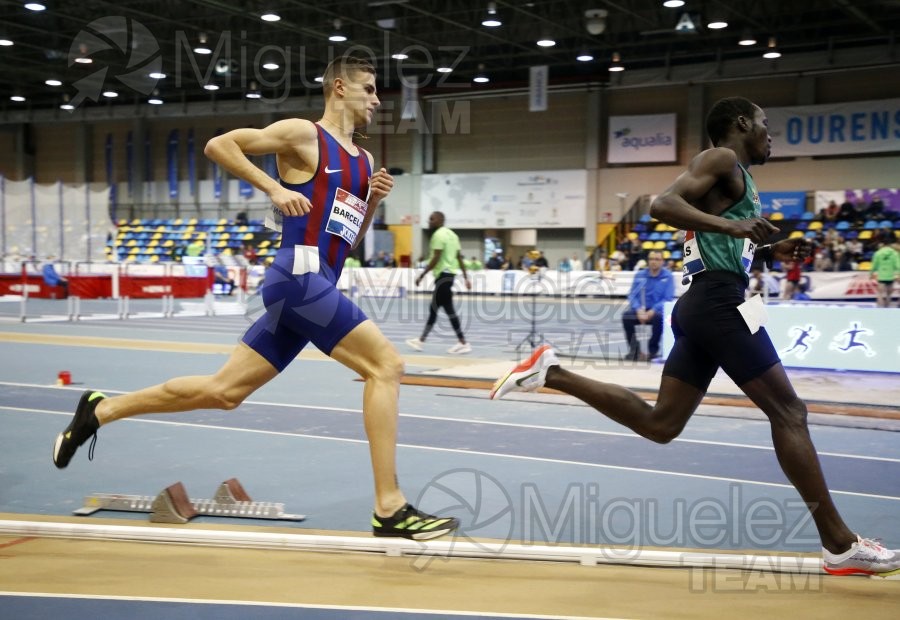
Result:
x=271 y=66
x=673 y=4
x=155 y=99
x=17 y=98
x=337 y=36
x=319 y=79
x=546 y=41
x=772 y=50
x=399 y=56
x=480 y=77
x=253 y=93
x=747 y=39
x=52 y=82
x=6 y=42
x=270 y=16
x=83 y=60
x=111 y=94
x=491 y=20
x=211 y=86
x=444 y=69
x=201 y=48
x=595 y=21
x=584 y=57
x=35 y=6
x=717 y=24
x=616 y=63
x=65 y=105
x=156 y=75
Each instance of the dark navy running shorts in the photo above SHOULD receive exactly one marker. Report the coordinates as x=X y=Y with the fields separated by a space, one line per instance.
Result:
x=711 y=334
x=300 y=309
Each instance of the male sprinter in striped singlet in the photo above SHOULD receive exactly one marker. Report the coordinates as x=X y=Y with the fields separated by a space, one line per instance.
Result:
x=717 y=200
x=321 y=197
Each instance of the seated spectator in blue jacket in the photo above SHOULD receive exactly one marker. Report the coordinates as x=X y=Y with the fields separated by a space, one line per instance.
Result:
x=651 y=288
x=52 y=278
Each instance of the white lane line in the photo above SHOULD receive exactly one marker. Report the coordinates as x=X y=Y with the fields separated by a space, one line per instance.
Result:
x=469 y=452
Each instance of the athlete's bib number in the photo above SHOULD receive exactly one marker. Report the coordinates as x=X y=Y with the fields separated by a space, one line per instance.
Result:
x=693 y=262
x=346 y=215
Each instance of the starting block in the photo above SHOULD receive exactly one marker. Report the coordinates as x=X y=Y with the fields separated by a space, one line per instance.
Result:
x=173 y=505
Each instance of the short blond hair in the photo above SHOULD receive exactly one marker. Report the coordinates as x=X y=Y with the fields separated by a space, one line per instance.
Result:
x=344 y=67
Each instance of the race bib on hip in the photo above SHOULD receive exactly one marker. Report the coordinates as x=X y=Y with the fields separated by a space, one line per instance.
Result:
x=747 y=254
x=692 y=263
x=346 y=215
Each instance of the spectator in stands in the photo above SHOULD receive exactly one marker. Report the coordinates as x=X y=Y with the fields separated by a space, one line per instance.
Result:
x=222 y=277
x=576 y=263
x=876 y=208
x=475 y=264
x=196 y=248
x=177 y=251
x=52 y=277
x=351 y=262
x=565 y=265
x=847 y=212
x=650 y=289
x=241 y=219
x=541 y=261
x=249 y=254
x=830 y=213
x=794 y=270
x=802 y=293
x=497 y=261
x=885 y=270
x=763 y=283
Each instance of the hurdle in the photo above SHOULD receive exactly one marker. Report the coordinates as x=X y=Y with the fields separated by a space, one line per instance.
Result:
x=172 y=505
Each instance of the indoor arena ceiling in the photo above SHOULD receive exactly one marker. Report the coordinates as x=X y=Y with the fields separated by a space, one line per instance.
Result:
x=129 y=39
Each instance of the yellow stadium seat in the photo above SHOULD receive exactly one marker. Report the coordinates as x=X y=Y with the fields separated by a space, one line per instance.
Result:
x=154 y=259
x=660 y=227
x=223 y=221
x=796 y=234
x=647 y=245
x=192 y=222
x=667 y=254
x=156 y=236
x=865 y=266
x=264 y=244
x=659 y=245
x=815 y=225
x=222 y=244
x=134 y=251
x=247 y=237
x=219 y=229
x=135 y=222
x=168 y=243
x=177 y=222
x=226 y=236
x=778 y=215
x=153 y=243
x=865 y=234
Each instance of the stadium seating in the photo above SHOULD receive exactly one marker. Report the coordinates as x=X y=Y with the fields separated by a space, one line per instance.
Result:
x=156 y=240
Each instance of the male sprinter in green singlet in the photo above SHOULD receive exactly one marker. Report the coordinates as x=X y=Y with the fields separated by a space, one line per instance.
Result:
x=716 y=202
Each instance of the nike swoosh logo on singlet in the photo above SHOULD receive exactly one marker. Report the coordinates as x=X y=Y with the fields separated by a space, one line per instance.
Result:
x=329 y=170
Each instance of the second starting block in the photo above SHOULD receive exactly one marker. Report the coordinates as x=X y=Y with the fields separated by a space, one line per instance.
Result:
x=172 y=504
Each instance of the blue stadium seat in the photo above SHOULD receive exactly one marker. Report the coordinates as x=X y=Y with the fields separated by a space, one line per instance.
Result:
x=843 y=226
x=808 y=215
x=870 y=225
